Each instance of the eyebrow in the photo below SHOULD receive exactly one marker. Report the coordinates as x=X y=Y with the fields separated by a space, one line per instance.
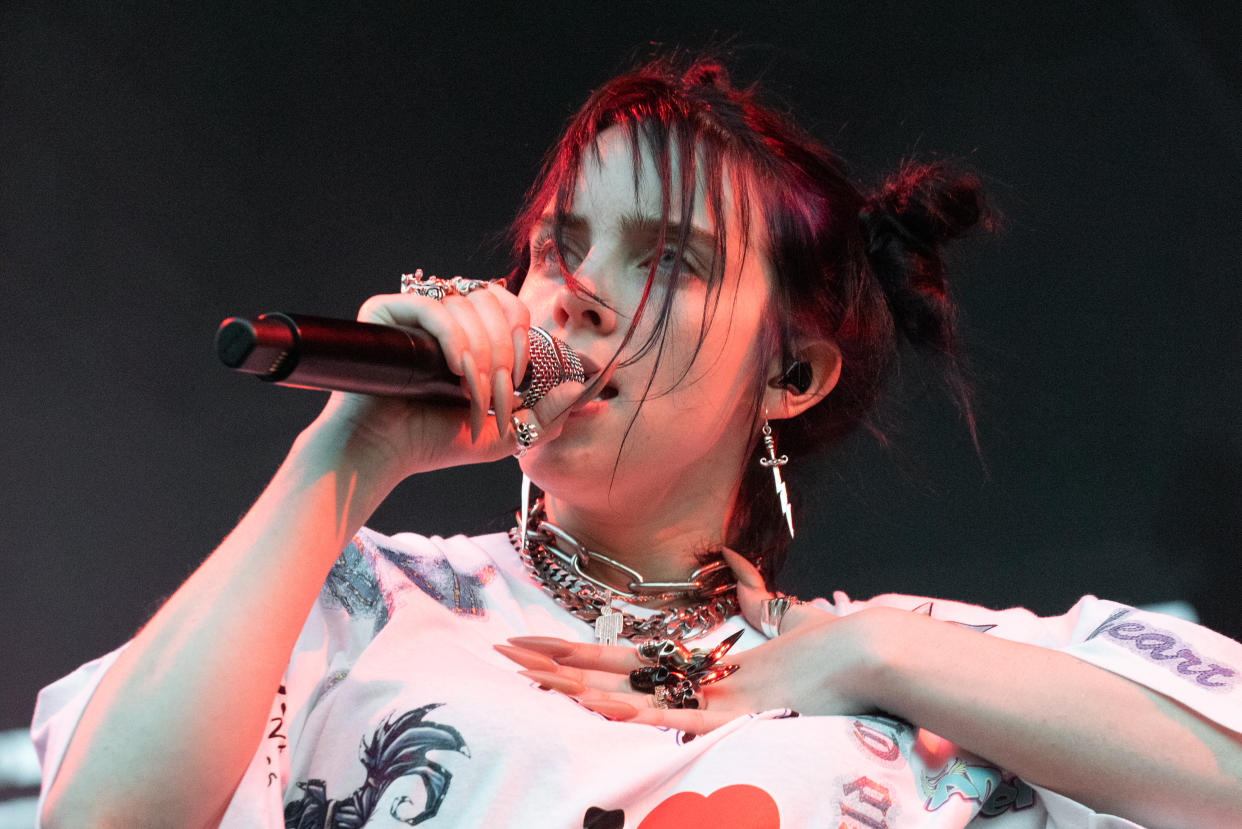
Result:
x=635 y=224
x=646 y=226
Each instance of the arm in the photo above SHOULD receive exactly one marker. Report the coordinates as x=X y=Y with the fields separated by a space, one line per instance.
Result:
x=175 y=720
x=188 y=699
x=1056 y=721
x=1046 y=716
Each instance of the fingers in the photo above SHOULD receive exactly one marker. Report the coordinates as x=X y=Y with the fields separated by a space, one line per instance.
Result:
x=643 y=710
x=747 y=574
x=540 y=667
x=629 y=707
x=482 y=336
x=575 y=682
x=614 y=659
x=689 y=720
x=751 y=591
x=527 y=658
x=517 y=316
x=597 y=677
x=548 y=416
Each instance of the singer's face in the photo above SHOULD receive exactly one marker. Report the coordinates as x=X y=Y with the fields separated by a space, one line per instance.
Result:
x=676 y=422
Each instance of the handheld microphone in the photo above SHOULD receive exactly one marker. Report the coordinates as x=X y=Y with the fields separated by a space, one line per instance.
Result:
x=342 y=355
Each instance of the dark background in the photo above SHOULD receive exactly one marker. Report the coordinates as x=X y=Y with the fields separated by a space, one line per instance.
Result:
x=162 y=168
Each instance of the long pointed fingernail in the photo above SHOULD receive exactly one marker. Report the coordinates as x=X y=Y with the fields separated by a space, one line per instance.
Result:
x=553 y=680
x=521 y=348
x=547 y=645
x=526 y=658
x=485 y=405
x=477 y=410
x=502 y=400
x=611 y=709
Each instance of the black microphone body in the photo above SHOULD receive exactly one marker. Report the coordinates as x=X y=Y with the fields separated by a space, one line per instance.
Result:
x=343 y=355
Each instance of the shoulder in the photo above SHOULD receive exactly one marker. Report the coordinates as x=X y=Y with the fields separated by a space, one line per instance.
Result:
x=453 y=571
x=1016 y=623
x=413 y=554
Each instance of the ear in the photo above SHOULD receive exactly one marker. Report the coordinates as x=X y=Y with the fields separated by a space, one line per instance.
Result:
x=794 y=388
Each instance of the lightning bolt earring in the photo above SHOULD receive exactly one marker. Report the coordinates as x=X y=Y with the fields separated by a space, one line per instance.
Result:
x=774 y=463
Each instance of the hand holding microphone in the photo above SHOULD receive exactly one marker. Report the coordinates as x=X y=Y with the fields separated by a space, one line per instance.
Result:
x=429 y=348
x=311 y=352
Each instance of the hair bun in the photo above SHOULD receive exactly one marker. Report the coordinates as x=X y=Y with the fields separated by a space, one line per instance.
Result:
x=928 y=204
x=905 y=224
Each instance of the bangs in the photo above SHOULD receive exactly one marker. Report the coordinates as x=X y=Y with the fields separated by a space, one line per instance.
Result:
x=691 y=133
x=690 y=159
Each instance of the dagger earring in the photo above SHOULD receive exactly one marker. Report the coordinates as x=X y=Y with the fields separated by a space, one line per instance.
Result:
x=775 y=463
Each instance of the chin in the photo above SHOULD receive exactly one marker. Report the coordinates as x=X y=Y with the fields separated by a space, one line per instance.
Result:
x=580 y=475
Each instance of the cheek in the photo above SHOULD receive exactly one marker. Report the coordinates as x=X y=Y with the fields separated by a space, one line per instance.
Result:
x=724 y=366
x=537 y=293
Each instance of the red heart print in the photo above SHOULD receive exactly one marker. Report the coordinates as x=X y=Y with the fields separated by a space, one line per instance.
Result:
x=733 y=807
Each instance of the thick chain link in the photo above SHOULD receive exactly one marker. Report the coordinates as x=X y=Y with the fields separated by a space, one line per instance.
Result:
x=586 y=601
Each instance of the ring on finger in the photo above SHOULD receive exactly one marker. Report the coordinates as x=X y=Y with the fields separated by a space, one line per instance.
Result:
x=680 y=694
x=526 y=433
x=436 y=288
x=772 y=612
x=463 y=286
x=665 y=653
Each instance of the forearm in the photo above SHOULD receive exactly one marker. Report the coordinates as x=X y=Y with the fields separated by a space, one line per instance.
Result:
x=175 y=721
x=1059 y=722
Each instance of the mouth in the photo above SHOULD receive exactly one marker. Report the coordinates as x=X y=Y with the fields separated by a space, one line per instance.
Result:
x=598 y=381
x=608 y=392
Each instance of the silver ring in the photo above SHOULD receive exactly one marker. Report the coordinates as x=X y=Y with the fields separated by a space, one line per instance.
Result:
x=526 y=434
x=463 y=286
x=772 y=612
x=436 y=288
x=665 y=653
x=679 y=695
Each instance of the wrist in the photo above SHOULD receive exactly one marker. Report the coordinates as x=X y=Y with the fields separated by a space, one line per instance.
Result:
x=331 y=446
x=877 y=642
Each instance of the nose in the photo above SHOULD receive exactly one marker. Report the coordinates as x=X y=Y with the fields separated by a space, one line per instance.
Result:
x=576 y=307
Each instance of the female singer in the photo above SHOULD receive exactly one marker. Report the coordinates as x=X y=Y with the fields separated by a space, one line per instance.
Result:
x=617 y=660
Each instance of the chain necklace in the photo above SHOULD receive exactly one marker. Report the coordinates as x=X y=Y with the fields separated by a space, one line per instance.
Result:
x=555 y=559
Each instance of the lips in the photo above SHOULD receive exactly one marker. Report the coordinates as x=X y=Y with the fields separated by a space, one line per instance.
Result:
x=597 y=379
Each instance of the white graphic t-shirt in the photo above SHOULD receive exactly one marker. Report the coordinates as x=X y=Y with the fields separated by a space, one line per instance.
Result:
x=395 y=710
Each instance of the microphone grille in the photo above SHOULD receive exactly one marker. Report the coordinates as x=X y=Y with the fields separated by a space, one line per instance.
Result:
x=551 y=363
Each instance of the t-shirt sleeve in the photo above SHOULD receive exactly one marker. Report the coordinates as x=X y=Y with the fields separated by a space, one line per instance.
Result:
x=351 y=608
x=1177 y=658
x=1174 y=657
x=57 y=711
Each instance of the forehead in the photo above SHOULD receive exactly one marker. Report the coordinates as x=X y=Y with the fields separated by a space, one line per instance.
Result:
x=614 y=181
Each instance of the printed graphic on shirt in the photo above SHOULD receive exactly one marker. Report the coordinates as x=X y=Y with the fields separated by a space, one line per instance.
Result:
x=277 y=739
x=597 y=818
x=397 y=749
x=461 y=593
x=926 y=609
x=864 y=804
x=995 y=791
x=1165 y=649
x=732 y=807
x=741 y=806
x=351 y=585
x=880 y=739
